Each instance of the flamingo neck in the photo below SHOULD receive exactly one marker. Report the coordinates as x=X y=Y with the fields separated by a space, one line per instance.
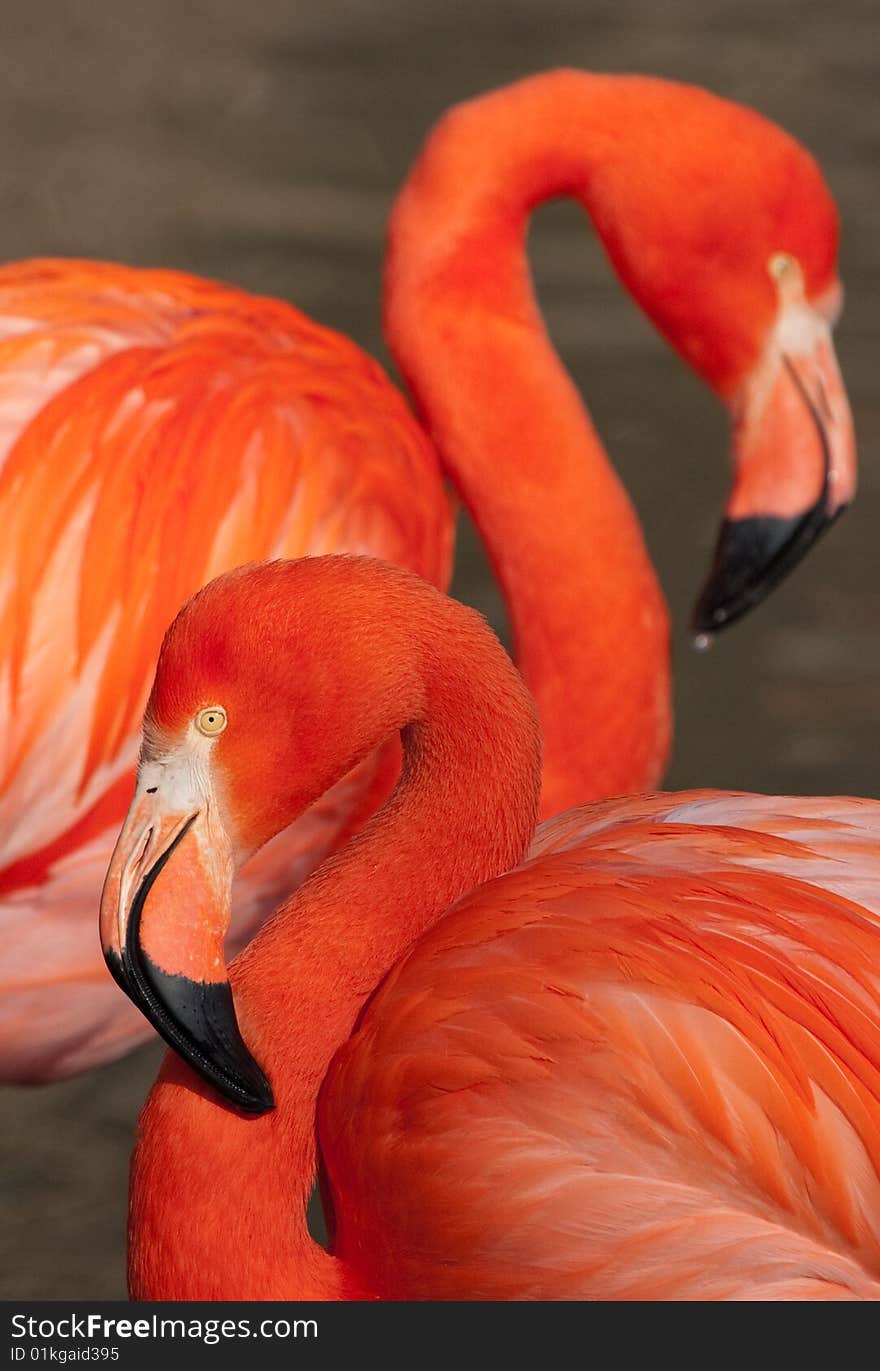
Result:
x=218 y=1201
x=587 y=613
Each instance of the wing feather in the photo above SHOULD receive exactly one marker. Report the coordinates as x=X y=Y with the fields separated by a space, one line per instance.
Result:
x=155 y=430
x=646 y=1064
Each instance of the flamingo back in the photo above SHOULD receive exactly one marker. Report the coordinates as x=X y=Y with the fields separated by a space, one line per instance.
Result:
x=644 y=1065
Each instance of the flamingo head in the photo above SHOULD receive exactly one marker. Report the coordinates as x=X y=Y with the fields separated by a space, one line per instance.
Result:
x=726 y=233
x=256 y=709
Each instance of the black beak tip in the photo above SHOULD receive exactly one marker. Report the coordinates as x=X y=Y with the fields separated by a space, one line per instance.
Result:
x=198 y=1019
x=716 y=609
x=710 y=614
x=254 y=1095
x=752 y=556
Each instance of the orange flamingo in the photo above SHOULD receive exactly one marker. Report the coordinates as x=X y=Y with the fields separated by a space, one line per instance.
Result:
x=159 y=429
x=644 y=1063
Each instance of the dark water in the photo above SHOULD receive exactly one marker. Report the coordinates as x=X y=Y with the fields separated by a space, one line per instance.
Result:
x=262 y=143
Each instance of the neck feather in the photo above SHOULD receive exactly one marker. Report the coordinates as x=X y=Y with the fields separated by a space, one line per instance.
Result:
x=588 y=617
x=218 y=1201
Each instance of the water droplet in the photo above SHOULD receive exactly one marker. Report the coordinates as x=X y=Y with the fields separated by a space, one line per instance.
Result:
x=703 y=641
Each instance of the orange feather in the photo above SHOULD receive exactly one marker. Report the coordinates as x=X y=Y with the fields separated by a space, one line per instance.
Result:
x=645 y=1065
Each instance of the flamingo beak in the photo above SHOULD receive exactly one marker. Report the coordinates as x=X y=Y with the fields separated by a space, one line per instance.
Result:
x=794 y=471
x=164 y=916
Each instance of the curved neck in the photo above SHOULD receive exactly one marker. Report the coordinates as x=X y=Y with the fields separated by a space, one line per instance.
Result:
x=218 y=1201
x=587 y=614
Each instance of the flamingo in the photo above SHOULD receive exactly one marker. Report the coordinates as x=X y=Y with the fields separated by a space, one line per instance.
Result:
x=158 y=429
x=639 y=1058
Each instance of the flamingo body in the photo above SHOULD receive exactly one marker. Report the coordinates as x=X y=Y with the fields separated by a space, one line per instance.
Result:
x=644 y=1065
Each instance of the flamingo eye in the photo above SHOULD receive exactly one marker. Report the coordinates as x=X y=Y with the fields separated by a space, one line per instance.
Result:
x=211 y=721
x=782 y=265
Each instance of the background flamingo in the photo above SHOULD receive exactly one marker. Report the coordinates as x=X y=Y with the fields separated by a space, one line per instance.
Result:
x=643 y=1064
x=161 y=428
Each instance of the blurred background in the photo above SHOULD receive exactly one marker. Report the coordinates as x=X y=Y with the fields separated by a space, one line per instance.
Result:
x=262 y=143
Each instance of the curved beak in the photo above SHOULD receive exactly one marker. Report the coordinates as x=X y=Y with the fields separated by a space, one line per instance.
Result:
x=164 y=915
x=794 y=470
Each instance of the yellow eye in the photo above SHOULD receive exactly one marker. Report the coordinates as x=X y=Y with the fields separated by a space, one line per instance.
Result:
x=211 y=721
x=781 y=264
